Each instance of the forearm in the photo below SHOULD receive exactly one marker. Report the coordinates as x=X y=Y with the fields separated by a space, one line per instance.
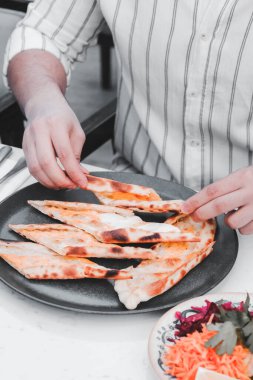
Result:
x=38 y=81
x=36 y=78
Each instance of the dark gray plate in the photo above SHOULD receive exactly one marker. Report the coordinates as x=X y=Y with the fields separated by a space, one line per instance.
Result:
x=98 y=296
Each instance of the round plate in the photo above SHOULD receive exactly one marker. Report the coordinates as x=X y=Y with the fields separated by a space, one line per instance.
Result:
x=165 y=327
x=98 y=296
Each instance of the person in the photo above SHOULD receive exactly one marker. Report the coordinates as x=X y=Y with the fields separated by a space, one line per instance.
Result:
x=185 y=94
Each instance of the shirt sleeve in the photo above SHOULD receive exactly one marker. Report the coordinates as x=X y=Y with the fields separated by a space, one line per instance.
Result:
x=63 y=28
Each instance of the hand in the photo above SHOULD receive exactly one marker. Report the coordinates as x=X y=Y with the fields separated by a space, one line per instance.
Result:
x=53 y=132
x=232 y=195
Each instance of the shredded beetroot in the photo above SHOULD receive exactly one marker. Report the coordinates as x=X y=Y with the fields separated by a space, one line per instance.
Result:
x=229 y=306
x=194 y=322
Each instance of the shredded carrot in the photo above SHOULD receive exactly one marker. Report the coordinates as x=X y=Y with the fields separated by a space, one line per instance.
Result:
x=189 y=353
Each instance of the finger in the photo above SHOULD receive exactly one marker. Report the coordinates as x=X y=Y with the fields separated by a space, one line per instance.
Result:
x=240 y=218
x=66 y=156
x=47 y=161
x=247 y=230
x=77 y=140
x=221 y=205
x=33 y=165
x=212 y=191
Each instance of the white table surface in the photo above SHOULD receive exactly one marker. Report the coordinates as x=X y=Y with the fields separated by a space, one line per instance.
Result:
x=42 y=342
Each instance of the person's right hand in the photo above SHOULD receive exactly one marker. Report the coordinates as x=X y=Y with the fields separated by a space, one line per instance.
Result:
x=54 y=131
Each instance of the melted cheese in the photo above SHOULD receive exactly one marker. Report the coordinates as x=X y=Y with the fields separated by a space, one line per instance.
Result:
x=114 y=221
x=158 y=227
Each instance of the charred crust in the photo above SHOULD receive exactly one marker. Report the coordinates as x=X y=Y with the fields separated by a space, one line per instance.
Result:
x=154 y=237
x=76 y=251
x=115 y=235
x=111 y=273
x=70 y=272
x=116 y=250
x=182 y=273
x=116 y=186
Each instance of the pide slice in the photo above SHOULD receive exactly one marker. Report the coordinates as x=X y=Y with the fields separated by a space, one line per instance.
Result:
x=119 y=190
x=112 y=227
x=71 y=241
x=34 y=261
x=143 y=206
x=152 y=278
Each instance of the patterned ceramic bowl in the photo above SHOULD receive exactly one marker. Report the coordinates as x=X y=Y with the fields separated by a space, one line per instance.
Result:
x=164 y=329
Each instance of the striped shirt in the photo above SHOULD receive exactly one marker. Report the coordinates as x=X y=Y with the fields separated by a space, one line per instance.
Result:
x=185 y=83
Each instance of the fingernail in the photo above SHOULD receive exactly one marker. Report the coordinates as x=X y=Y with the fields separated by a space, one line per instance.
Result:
x=82 y=184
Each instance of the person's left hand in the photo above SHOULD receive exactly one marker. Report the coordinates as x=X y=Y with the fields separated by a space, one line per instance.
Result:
x=232 y=195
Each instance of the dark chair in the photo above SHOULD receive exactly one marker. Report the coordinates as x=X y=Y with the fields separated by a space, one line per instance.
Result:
x=11 y=118
x=98 y=127
x=105 y=41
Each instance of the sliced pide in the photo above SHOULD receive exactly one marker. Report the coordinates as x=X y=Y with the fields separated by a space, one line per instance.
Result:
x=152 y=278
x=71 y=241
x=112 y=227
x=34 y=261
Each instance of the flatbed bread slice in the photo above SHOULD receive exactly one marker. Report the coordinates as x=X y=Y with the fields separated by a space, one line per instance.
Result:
x=141 y=236
x=34 y=261
x=129 y=196
x=71 y=241
x=152 y=278
x=144 y=206
x=142 y=288
x=82 y=207
x=119 y=190
x=204 y=230
x=112 y=227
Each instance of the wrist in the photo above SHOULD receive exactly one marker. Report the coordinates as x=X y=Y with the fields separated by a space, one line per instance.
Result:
x=49 y=97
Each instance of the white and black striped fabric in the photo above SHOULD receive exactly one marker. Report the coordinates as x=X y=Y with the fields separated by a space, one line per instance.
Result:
x=185 y=90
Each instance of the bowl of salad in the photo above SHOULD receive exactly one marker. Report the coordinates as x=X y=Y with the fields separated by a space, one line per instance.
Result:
x=205 y=337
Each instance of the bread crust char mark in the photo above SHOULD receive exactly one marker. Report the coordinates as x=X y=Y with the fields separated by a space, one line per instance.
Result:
x=154 y=206
x=71 y=241
x=120 y=190
x=132 y=235
x=37 y=262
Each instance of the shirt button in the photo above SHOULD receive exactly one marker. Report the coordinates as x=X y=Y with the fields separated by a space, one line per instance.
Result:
x=195 y=143
x=203 y=36
x=192 y=94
